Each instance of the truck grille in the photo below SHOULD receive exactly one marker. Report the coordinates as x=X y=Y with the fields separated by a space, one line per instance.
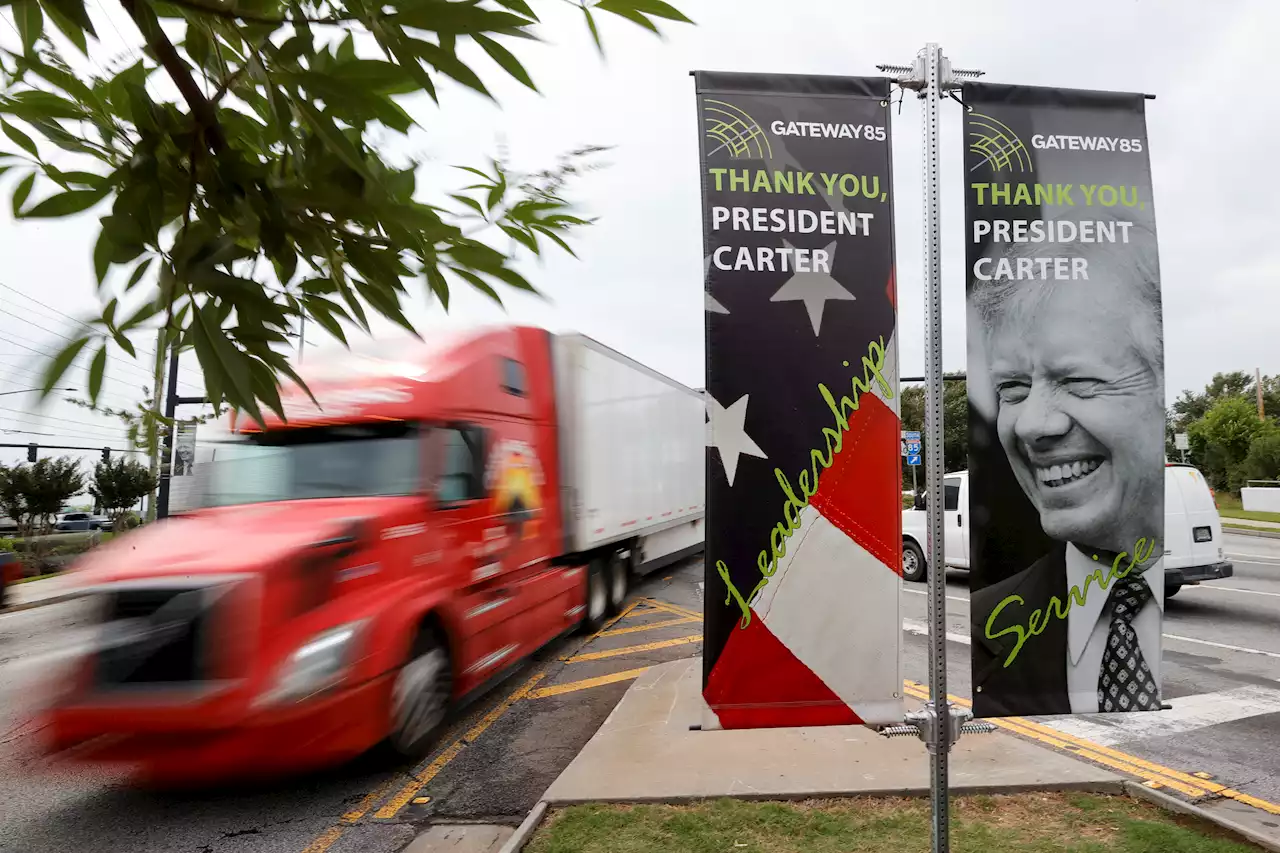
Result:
x=155 y=637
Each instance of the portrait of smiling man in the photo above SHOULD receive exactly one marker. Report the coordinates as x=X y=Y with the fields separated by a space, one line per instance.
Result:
x=1074 y=369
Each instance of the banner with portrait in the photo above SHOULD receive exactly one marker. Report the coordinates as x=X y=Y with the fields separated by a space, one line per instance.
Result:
x=804 y=522
x=1066 y=403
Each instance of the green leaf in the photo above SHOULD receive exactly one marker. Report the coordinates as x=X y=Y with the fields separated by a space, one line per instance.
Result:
x=198 y=45
x=67 y=203
x=439 y=286
x=591 y=25
x=628 y=13
x=657 y=8
x=72 y=20
x=233 y=363
x=58 y=366
x=97 y=369
x=519 y=6
x=21 y=192
x=138 y=272
x=469 y=202
x=145 y=312
x=30 y=23
x=39 y=104
x=513 y=278
x=550 y=232
x=523 y=237
x=506 y=59
x=449 y=64
x=495 y=194
x=20 y=139
x=324 y=128
x=125 y=343
x=459 y=18
x=103 y=250
x=385 y=78
x=478 y=283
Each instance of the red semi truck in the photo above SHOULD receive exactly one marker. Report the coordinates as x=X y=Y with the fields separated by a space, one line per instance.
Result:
x=353 y=571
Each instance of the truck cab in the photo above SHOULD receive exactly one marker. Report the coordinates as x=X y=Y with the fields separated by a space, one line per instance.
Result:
x=1193 y=530
x=393 y=546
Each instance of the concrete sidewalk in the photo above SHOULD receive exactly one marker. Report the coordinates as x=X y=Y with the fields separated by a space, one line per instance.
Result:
x=61 y=587
x=645 y=751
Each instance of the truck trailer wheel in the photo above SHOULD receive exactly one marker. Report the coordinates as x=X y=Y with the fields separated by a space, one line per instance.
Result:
x=1171 y=589
x=597 y=603
x=914 y=568
x=619 y=578
x=420 y=697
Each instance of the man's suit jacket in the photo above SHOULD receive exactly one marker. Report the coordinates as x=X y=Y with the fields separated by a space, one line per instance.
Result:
x=1036 y=681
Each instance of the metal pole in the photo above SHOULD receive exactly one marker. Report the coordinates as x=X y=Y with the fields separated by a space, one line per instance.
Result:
x=1257 y=381
x=170 y=406
x=931 y=92
x=302 y=334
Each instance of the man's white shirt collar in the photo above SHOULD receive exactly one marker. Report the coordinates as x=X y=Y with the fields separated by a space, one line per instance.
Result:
x=1082 y=618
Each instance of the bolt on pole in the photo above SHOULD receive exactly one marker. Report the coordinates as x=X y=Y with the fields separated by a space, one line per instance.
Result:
x=939 y=724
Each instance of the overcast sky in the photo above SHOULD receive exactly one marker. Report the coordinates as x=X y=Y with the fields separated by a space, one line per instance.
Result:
x=637 y=284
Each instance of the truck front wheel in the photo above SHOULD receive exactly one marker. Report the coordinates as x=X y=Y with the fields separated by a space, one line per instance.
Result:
x=914 y=567
x=420 y=697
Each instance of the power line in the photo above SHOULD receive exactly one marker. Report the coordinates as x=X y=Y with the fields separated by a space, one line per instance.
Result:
x=110 y=357
x=80 y=423
x=34 y=376
x=82 y=426
x=81 y=323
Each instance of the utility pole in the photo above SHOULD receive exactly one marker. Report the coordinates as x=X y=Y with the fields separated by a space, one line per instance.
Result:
x=153 y=444
x=1257 y=381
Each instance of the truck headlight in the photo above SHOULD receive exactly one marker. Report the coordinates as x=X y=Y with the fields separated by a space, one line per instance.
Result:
x=317 y=665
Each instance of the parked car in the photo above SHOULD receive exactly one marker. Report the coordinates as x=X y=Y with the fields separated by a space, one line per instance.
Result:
x=1193 y=550
x=71 y=522
x=10 y=573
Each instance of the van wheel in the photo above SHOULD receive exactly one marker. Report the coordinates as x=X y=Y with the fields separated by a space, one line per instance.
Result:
x=1171 y=589
x=597 y=600
x=420 y=697
x=619 y=577
x=914 y=567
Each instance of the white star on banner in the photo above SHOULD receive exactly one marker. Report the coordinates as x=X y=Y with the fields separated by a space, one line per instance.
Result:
x=715 y=307
x=711 y=304
x=813 y=289
x=727 y=433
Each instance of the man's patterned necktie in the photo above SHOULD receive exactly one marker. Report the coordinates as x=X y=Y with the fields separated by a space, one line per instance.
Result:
x=1125 y=682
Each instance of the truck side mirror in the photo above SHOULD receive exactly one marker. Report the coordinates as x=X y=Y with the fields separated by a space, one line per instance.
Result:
x=920 y=502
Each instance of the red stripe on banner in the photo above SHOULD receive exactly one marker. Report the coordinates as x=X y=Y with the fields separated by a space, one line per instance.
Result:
x=769 y=687
x=861 y=493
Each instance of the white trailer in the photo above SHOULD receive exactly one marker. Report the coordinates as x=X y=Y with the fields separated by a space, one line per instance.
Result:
x=632 y=456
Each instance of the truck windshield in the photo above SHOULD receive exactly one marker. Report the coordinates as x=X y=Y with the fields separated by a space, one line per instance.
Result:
x=315 y=462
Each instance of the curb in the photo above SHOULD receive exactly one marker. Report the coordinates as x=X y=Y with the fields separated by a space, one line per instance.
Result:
x=1251 y=531
x=524 y=832
x=1116 y=786
x=56 y=599
x=1173 y=804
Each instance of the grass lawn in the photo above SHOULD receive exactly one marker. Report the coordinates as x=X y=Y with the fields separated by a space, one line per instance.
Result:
x=1025 y=823
x=1229 y=507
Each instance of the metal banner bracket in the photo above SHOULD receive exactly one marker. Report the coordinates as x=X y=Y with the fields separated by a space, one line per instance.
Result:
x=925 y=724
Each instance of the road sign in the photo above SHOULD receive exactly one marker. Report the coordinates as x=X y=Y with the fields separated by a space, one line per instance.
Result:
x=1182 y=441
x=911 y=446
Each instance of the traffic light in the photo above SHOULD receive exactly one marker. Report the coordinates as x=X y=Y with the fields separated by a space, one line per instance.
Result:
x=31 y=452
x=106 y=454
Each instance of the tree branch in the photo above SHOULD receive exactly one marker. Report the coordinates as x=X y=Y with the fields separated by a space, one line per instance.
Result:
x=202 y=108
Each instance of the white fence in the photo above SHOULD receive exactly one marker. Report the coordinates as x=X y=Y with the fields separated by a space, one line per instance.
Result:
x=1261 y=498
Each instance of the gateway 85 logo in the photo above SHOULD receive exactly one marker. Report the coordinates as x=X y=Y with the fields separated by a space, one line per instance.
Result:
x=997 y=145
x=732 y=129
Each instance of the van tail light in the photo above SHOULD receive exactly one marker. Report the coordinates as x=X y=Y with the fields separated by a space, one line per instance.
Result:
x=1202 y=534
x=1214 y=495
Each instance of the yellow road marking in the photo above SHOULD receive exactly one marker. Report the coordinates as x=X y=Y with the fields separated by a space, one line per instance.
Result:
x=667 y=623
x=632 y=650
x=408 y=792
x=325 y=840
x=674 y=608
x=1194 y=786
x=586 y=683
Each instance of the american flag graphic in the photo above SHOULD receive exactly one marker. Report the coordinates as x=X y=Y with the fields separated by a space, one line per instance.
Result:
x=804 y=513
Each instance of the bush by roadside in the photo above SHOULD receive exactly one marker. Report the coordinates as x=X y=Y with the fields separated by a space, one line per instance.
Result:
x=41 y=555
x=1023 y=823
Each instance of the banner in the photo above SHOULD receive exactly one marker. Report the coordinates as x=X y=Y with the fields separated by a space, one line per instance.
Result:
x=1066 y=403
x=184 y=448
x=804 y=512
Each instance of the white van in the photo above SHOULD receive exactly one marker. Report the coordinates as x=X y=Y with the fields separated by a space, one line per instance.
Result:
x=1192 y=530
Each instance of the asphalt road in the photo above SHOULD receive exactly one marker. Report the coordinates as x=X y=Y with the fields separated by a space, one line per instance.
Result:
x=492 y=764
x=1222 y=676
x=1221 y=667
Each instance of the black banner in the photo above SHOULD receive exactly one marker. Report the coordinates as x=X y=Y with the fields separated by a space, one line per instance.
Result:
x=803 y=478
x=1066 y=403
